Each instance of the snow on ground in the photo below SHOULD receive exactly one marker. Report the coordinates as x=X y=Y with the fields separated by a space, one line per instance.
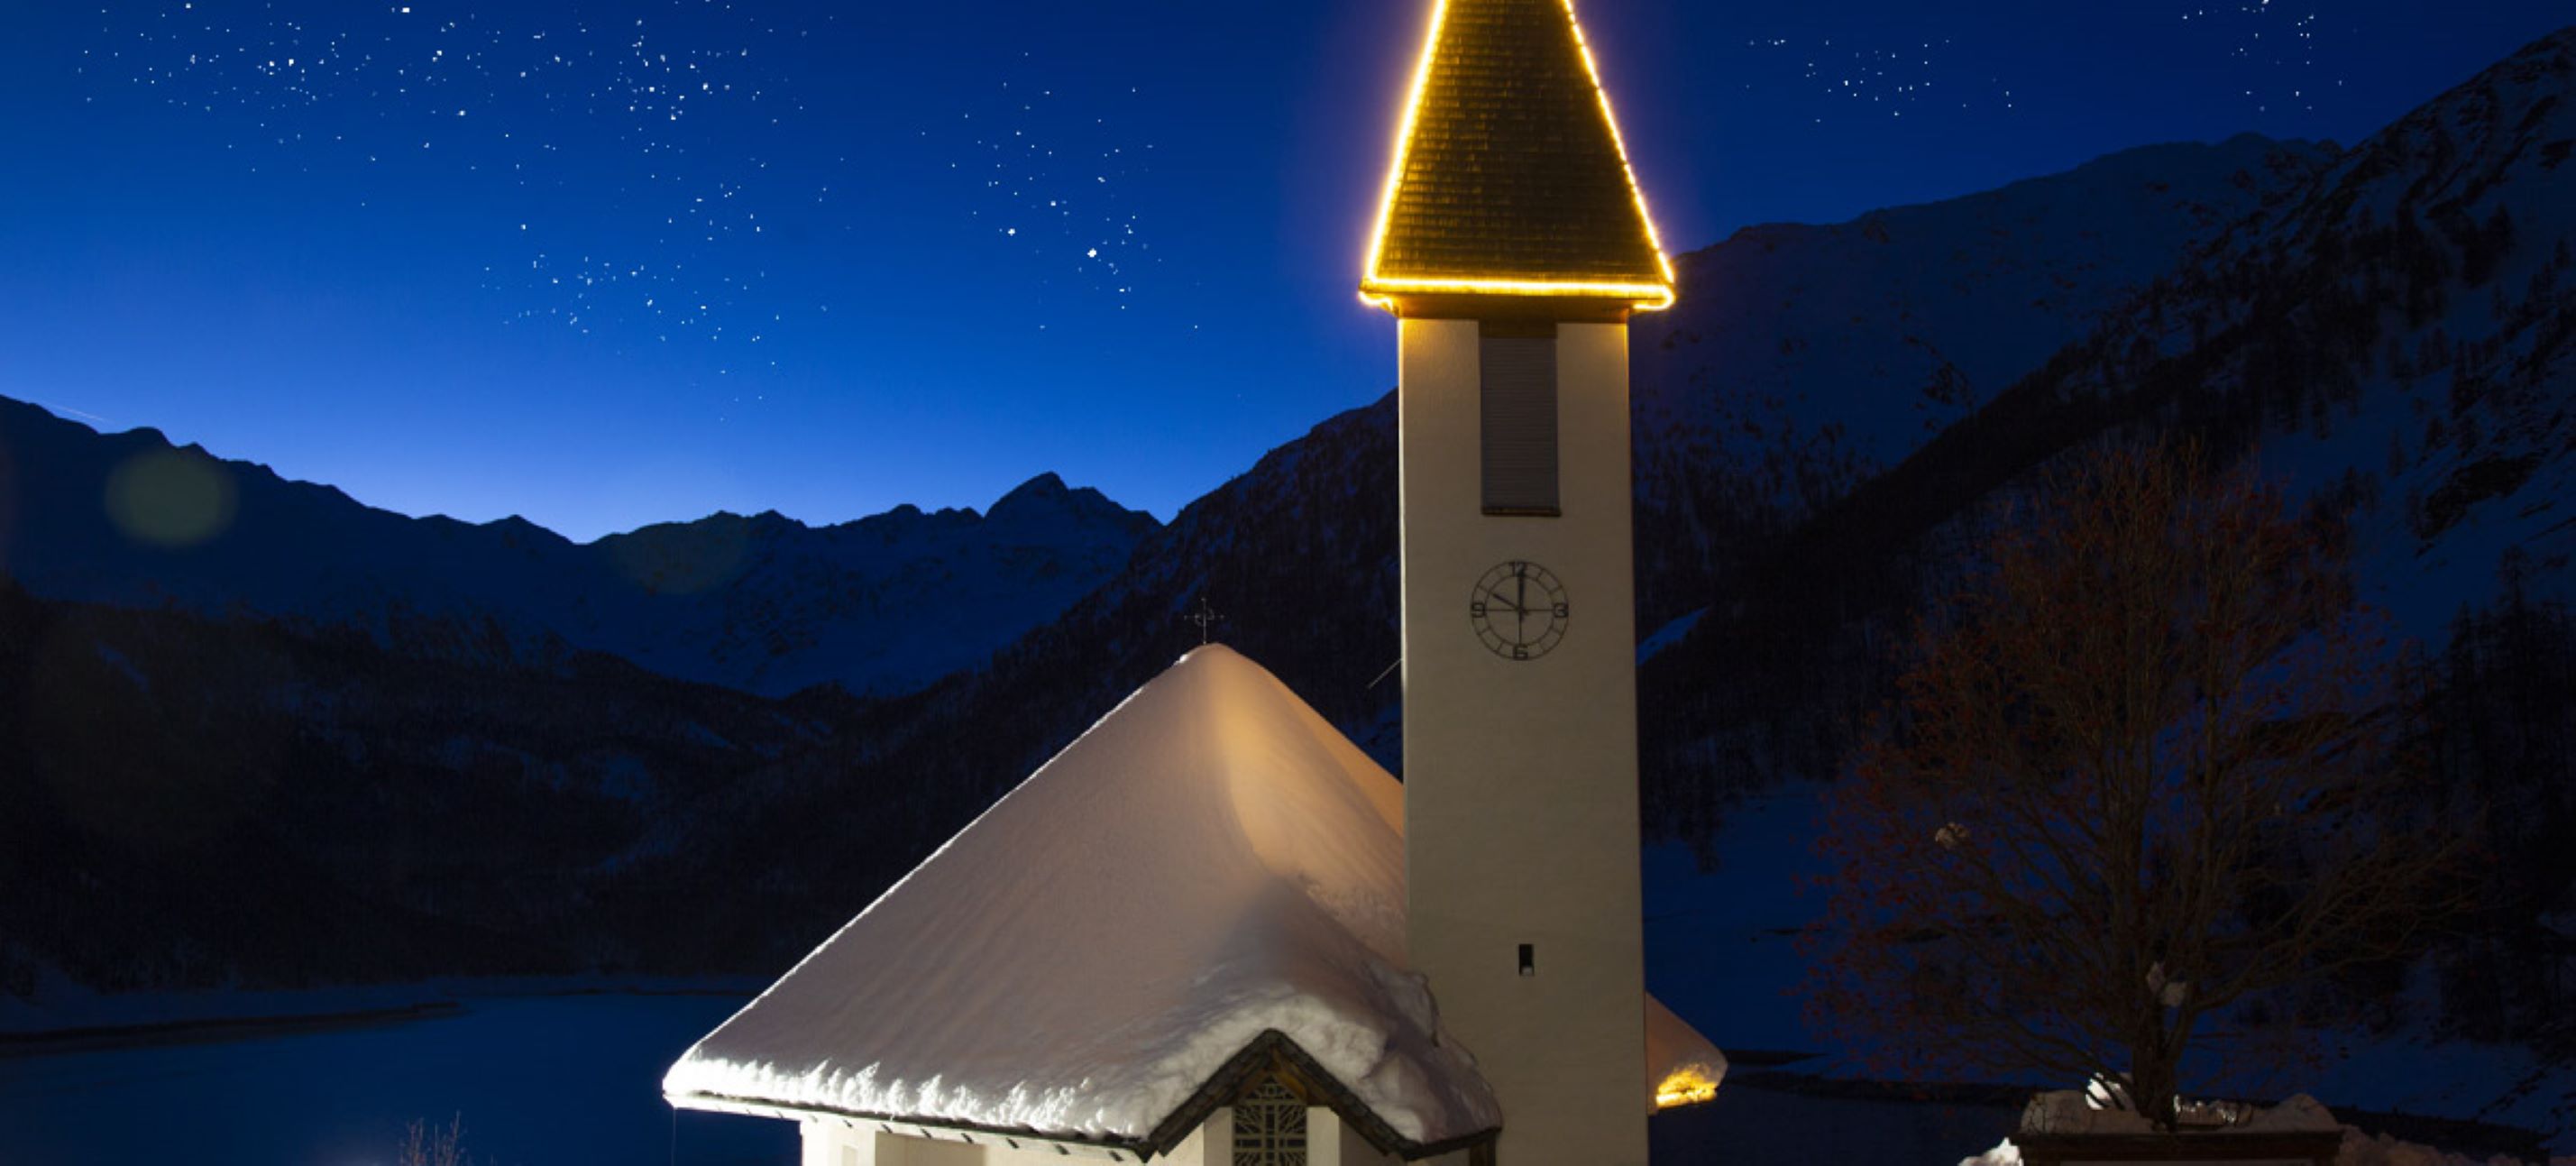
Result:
x=1721 y=951
x=1721 y=943
x=2302 y=1112
x=2408 y=1074
x=1669 y=634
x=1752 y=1124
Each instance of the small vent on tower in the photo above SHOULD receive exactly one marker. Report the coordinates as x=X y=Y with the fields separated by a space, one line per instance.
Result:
x=1529 y=959
x=1517 y=365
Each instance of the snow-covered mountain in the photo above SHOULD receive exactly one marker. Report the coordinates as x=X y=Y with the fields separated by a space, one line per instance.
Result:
x=764 y=603
x=2394 y=335
x=2411 y=332
x=1802 y=360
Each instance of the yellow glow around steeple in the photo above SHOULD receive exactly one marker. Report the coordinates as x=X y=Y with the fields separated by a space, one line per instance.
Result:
x=1611 y=119
x=1382 y=288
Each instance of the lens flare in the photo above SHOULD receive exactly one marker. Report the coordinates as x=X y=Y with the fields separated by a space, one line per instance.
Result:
x=170 y=498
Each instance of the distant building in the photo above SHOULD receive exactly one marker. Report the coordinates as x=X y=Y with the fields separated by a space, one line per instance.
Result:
x=1212 y=931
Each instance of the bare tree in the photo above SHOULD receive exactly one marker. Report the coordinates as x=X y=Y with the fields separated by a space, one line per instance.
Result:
x=2132 y=786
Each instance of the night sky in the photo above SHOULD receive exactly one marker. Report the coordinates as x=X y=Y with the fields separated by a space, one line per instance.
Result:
x=601 y=265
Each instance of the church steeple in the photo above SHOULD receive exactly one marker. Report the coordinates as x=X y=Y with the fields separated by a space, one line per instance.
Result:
x=1512 y=247
x=1509 y=178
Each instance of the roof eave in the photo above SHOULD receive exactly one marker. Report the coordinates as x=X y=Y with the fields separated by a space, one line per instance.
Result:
x=1112 y=1149
x=1493 y=299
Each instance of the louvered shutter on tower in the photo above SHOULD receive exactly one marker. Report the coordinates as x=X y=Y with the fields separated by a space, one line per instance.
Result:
x=1518 y=418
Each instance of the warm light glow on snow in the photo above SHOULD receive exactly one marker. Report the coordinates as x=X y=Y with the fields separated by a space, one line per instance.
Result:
x=1684 y=1087
x=1685 y=1068
x=1381 y=291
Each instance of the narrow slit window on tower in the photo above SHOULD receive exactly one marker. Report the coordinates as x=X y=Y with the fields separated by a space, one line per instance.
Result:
x=1517 y=416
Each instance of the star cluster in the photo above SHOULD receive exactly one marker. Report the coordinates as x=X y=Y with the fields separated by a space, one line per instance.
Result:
x=1878 y=79
x=2274 y=47
x=1057 y=187
x=640 y=177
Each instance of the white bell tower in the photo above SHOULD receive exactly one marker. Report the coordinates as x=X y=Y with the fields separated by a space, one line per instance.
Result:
x=1513 y=246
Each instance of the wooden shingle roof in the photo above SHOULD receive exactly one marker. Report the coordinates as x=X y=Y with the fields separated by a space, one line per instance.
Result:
x=1509 y=177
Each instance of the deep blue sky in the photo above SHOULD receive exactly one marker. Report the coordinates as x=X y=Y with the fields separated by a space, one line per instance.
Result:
x=601 y=265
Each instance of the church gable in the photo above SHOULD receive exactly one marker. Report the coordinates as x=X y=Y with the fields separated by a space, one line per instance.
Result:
x=1273 y=1064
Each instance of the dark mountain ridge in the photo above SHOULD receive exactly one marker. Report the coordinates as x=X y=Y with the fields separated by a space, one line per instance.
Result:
x=879 y=604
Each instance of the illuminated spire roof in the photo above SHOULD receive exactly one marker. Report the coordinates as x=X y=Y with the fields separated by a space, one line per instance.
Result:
x=1509 y=177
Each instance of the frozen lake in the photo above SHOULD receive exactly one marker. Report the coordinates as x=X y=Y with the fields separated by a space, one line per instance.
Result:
x=546 y=1081
x=539 y=1081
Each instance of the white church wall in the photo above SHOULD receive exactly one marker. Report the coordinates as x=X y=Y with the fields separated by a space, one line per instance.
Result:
x=834 y=1143
x=1212 y=1144
x=1329 y=1141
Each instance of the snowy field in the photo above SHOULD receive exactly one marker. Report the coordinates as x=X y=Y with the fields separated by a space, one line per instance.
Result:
x=1752 y=1126
x=1721 y=952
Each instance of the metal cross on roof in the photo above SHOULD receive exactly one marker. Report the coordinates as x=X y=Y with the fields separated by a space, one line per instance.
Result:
x=1205 y=616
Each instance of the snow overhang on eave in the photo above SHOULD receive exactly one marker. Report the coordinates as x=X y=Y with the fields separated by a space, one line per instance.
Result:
x=1270 y=1052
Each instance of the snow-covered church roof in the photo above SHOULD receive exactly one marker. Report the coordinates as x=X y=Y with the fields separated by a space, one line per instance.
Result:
x=1209 y=874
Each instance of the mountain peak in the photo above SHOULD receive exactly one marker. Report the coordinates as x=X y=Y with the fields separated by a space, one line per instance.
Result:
x=1046 y=499
x=1046 y=485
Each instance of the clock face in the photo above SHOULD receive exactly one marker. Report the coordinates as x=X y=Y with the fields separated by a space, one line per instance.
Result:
x=1519 y=610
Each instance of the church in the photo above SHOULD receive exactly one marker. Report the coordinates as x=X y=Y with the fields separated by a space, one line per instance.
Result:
x=1212 y=930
